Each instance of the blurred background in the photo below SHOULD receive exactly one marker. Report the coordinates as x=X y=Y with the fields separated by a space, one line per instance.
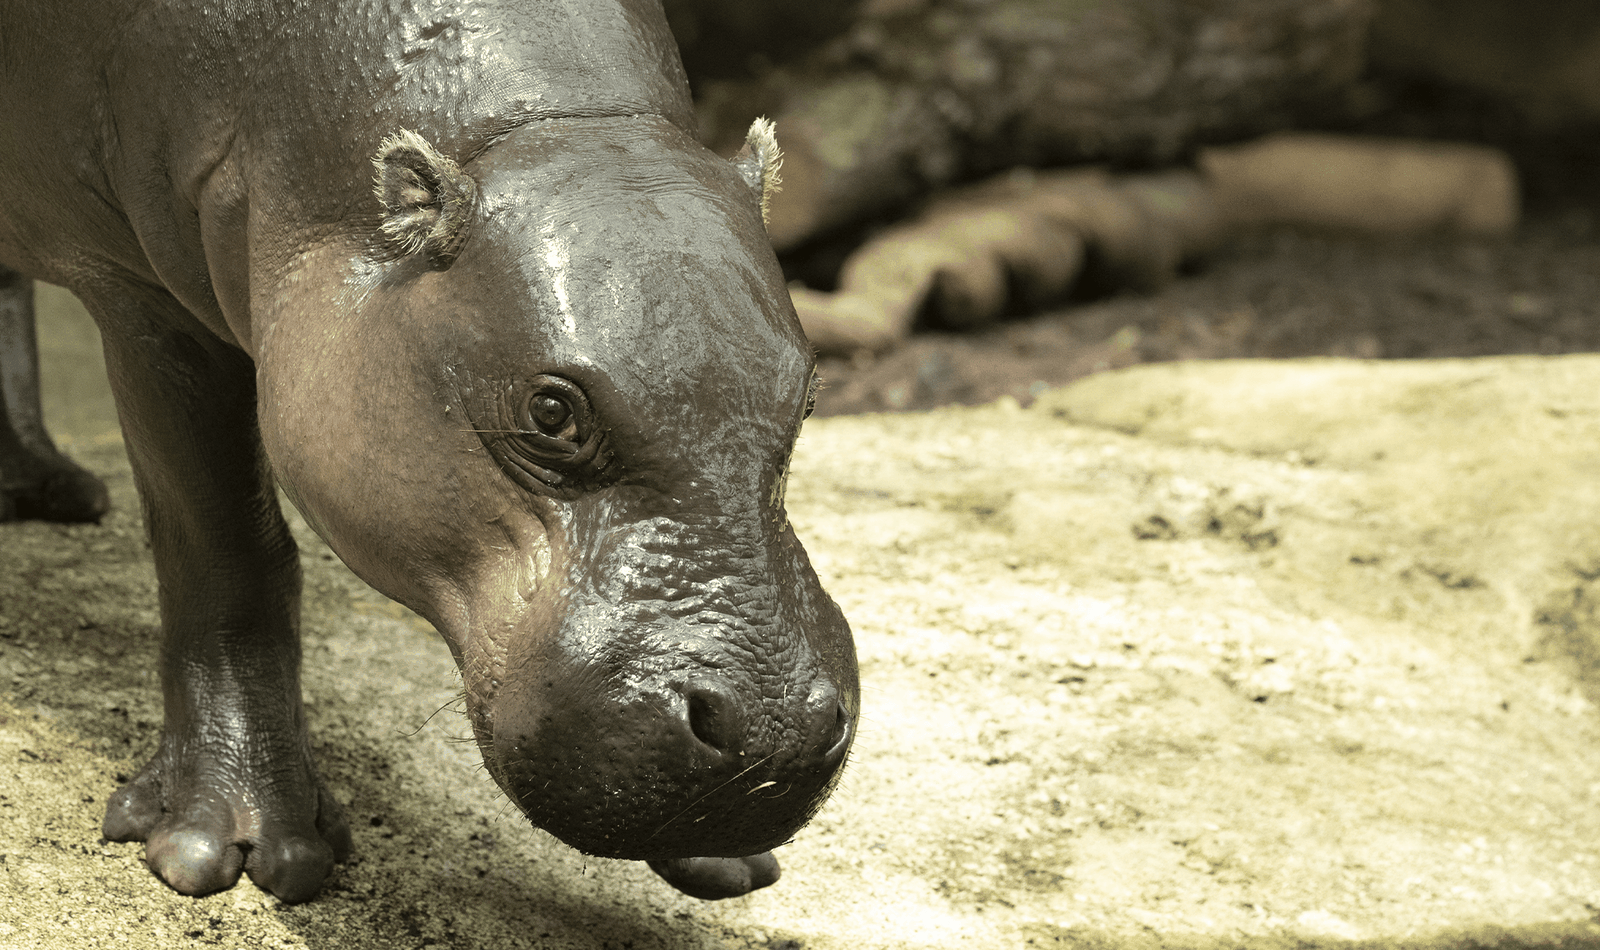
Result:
x=885 y=106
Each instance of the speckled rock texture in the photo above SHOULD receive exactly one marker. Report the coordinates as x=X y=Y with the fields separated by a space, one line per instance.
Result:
x=1239 y=654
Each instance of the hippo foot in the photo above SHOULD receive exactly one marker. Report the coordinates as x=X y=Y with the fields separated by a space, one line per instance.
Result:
x=712 y=879
x=204 y=823
x=51 y=489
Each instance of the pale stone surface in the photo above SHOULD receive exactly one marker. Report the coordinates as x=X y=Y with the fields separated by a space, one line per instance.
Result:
x=1260 y=654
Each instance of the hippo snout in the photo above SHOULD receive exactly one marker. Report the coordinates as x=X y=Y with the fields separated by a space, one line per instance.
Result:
x=687 y=690
x=649 y=761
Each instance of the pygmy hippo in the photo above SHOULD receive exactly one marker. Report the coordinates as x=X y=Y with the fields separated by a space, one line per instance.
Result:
x=541 y=385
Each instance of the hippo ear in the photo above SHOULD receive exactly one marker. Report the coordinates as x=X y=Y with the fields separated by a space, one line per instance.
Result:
x=759 y=160
x=427 y=198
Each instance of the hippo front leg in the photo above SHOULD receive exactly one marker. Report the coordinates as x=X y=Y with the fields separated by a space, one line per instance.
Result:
x=232 y=785
x=36 y=480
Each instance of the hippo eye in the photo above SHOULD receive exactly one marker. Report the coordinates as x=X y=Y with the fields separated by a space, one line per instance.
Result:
x=548 y=435
x=553 y=417
x=545 y=434
x=811 y=395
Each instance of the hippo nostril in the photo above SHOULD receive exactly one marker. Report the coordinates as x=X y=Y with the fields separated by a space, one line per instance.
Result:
x=714 y=715
x=829 y=727
x=840 y=732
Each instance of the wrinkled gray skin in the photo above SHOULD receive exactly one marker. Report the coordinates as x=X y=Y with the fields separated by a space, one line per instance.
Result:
x=544 y=393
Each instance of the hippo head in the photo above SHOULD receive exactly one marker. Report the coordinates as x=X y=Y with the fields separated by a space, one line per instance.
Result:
x=567 y=382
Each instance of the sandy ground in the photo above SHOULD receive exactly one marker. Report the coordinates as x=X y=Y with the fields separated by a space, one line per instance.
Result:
x=1234 y=654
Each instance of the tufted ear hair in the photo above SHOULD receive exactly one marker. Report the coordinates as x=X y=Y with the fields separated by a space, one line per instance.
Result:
x=759 y=160
x=427 y=198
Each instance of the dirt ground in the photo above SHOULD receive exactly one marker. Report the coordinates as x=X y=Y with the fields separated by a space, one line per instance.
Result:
x=1203 y=655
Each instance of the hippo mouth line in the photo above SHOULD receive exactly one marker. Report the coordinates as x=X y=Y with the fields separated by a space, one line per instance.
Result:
x=833 y=753
x=706 y=795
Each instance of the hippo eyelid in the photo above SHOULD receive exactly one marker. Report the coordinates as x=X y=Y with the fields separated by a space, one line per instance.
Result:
x=539 y=459
x=812 y=389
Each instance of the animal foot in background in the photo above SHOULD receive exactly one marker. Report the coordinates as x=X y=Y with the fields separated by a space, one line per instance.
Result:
x=52 y=489
x=712 y=879
x=202 y=830
x=1014 y=244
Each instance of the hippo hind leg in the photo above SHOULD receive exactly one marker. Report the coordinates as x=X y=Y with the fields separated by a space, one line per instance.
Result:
x=232 y=787
x=37 y=482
